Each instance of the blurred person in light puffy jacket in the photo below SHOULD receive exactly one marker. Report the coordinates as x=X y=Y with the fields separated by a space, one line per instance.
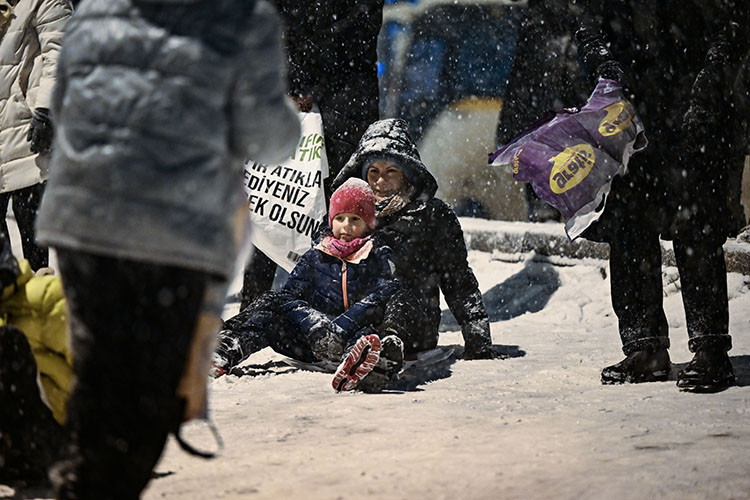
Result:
x=157 y=105
x=30 y=35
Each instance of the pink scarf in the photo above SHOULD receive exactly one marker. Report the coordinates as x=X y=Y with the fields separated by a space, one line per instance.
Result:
x=342 y=249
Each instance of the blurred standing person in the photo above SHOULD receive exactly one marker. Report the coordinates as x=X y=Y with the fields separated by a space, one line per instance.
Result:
x=31 y=33
x=158 y=103
x=545 y=76
x=332 y=51
x=679 y=63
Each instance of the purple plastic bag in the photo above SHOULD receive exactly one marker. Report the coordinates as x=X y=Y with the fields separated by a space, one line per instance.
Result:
x=570 y=157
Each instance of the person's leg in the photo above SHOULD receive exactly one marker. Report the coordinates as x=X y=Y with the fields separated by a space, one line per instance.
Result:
x=404 y=318
x=704 y=294
x=25 y=205
x=292 y=342
x=131 y=327
x=703 y=280
x=247 y=332
x=4 y=199
x=31 y=440
x=637 y=299
x=258 y=278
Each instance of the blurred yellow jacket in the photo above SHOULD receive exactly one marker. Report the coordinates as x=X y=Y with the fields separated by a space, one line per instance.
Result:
x=36 y=306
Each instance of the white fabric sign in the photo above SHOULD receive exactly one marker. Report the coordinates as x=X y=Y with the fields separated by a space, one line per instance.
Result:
x=286 y=202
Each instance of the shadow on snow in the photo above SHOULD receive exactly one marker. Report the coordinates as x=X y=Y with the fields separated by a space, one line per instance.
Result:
x=529 y=290
x=436 y=367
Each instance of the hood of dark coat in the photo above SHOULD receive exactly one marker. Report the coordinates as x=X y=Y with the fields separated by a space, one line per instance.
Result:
x=389 y=139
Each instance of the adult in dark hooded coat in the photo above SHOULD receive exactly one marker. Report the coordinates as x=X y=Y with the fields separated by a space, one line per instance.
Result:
x=331 y=47
x=158 y=104
x=413 y=223
x=679 y=62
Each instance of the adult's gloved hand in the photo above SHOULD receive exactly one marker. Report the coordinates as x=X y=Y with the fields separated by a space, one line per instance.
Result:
x=40 y=131
x=477 y=340
x=595 y=58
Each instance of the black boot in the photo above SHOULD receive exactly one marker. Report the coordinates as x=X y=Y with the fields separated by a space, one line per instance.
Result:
x=709 y=371
x=647 y=365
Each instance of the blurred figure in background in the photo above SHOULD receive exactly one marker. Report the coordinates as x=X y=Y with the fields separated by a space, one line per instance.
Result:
x=31 y=32
x=545 y=76
x=158 y=104
x=332 y=51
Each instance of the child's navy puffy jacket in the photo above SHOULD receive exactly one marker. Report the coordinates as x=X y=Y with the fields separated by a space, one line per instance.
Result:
x=315 y=290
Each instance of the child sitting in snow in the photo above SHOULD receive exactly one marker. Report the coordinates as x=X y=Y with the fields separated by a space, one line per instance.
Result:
x=332 y=302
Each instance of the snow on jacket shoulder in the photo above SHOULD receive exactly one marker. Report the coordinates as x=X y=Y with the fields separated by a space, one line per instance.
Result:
x=36 y=306
x=28 y=55
x=314 y=289
x=157 y=106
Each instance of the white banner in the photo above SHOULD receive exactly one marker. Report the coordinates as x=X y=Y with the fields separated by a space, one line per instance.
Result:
x=287 y=203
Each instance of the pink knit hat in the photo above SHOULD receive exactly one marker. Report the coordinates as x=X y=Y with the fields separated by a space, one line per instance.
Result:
x=353 y=196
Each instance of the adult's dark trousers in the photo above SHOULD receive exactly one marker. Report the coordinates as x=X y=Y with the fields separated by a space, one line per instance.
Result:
x=404 y=316
x=31 y=440
x=131 y=325
x=25 y=205
x=637 y=290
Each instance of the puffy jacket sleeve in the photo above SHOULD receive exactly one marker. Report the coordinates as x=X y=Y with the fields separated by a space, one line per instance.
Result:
x=457 y=280
x=366 y=311
x=265 y=126
x=49 y=22
x=296 y=295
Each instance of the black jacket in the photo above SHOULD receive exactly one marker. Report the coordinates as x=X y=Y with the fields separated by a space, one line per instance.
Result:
x=425 y=236
x=545 y=74
x=682 y=179
x=332 y=51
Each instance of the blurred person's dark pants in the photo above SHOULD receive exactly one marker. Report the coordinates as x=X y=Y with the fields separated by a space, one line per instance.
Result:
x=25 y=205
x=131 y=324
x=31 y=440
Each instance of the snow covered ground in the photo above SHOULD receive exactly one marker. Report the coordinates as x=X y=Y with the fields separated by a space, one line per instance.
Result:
x=536 y=424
